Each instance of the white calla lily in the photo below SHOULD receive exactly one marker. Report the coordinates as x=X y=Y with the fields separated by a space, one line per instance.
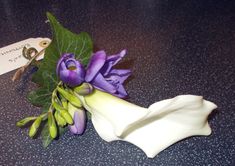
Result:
x=151 y=129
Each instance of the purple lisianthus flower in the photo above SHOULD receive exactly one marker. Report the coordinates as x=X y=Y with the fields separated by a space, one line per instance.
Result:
x=70 y=71
x=79 y=119
x=101 y=75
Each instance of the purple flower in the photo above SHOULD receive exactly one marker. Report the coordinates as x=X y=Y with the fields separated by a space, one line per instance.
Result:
x=79 y=119
x=101 y=75
x=69 y=70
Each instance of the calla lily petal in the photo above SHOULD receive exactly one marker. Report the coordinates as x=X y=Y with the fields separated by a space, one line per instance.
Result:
x=119 y=112
x=152 y=129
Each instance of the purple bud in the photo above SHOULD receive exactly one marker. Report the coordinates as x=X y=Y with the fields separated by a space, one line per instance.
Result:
x=79 y=119
x=70 y=71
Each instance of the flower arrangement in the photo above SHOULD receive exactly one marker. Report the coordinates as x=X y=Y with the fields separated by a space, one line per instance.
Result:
x=75 y=82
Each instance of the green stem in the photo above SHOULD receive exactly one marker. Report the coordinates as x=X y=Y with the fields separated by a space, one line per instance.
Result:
x=44 y=116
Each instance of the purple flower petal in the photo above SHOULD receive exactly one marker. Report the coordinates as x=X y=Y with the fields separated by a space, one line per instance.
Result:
x=62 y=66
x=121 y=91
x=111 y=61
x=118 y=76
x=71 y=78
x=71 y=63
x=116 y=58
x=121 y=72
x=95 y=64
x=73 y=129
x=100 y=82
x=80 y=121
x=101 y=75
x=63 y=57
x=70 y=71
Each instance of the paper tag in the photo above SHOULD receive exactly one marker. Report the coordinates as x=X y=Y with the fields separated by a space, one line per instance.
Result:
x=11 y=56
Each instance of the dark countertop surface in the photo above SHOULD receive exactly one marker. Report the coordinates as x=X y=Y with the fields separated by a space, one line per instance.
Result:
x=174 y=47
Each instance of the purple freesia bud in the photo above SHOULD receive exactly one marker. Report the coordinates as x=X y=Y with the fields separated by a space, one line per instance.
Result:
x=101 y=75
x=69 y=70
x=79 y=119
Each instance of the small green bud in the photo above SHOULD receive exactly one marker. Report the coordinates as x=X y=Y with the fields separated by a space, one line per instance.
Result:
x=84 y=89
x=57 y=106
x=24 y=121
x=64 y=103
x=67 y=116
x=56 y=117
x=62 y=120
x=59 y=119
x=63 y=112
x=71 y=109
x=70 y=97
x=34 y=128
x=53 y=131
x=52 y=125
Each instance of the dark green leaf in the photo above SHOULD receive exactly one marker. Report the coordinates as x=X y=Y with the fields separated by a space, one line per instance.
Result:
x=62 y=130
x=63 y=41
x=46 y=138
x=42 y=96
x=39 y=97
x=46 y=107
x=50 y=81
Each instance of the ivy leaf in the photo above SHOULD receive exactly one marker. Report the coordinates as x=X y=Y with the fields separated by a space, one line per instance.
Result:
x=42 y=96
x=39 y=97
x=46 y=138
x=46 y=107
x=63 y=41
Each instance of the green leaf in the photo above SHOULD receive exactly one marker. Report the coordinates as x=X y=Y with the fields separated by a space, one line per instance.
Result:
x=39 y=97
x=63 y=41
x=46 y=107
x=46 y=138
x=42 y=96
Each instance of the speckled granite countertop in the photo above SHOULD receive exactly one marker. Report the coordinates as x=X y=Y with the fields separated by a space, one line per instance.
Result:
x=174 y=47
